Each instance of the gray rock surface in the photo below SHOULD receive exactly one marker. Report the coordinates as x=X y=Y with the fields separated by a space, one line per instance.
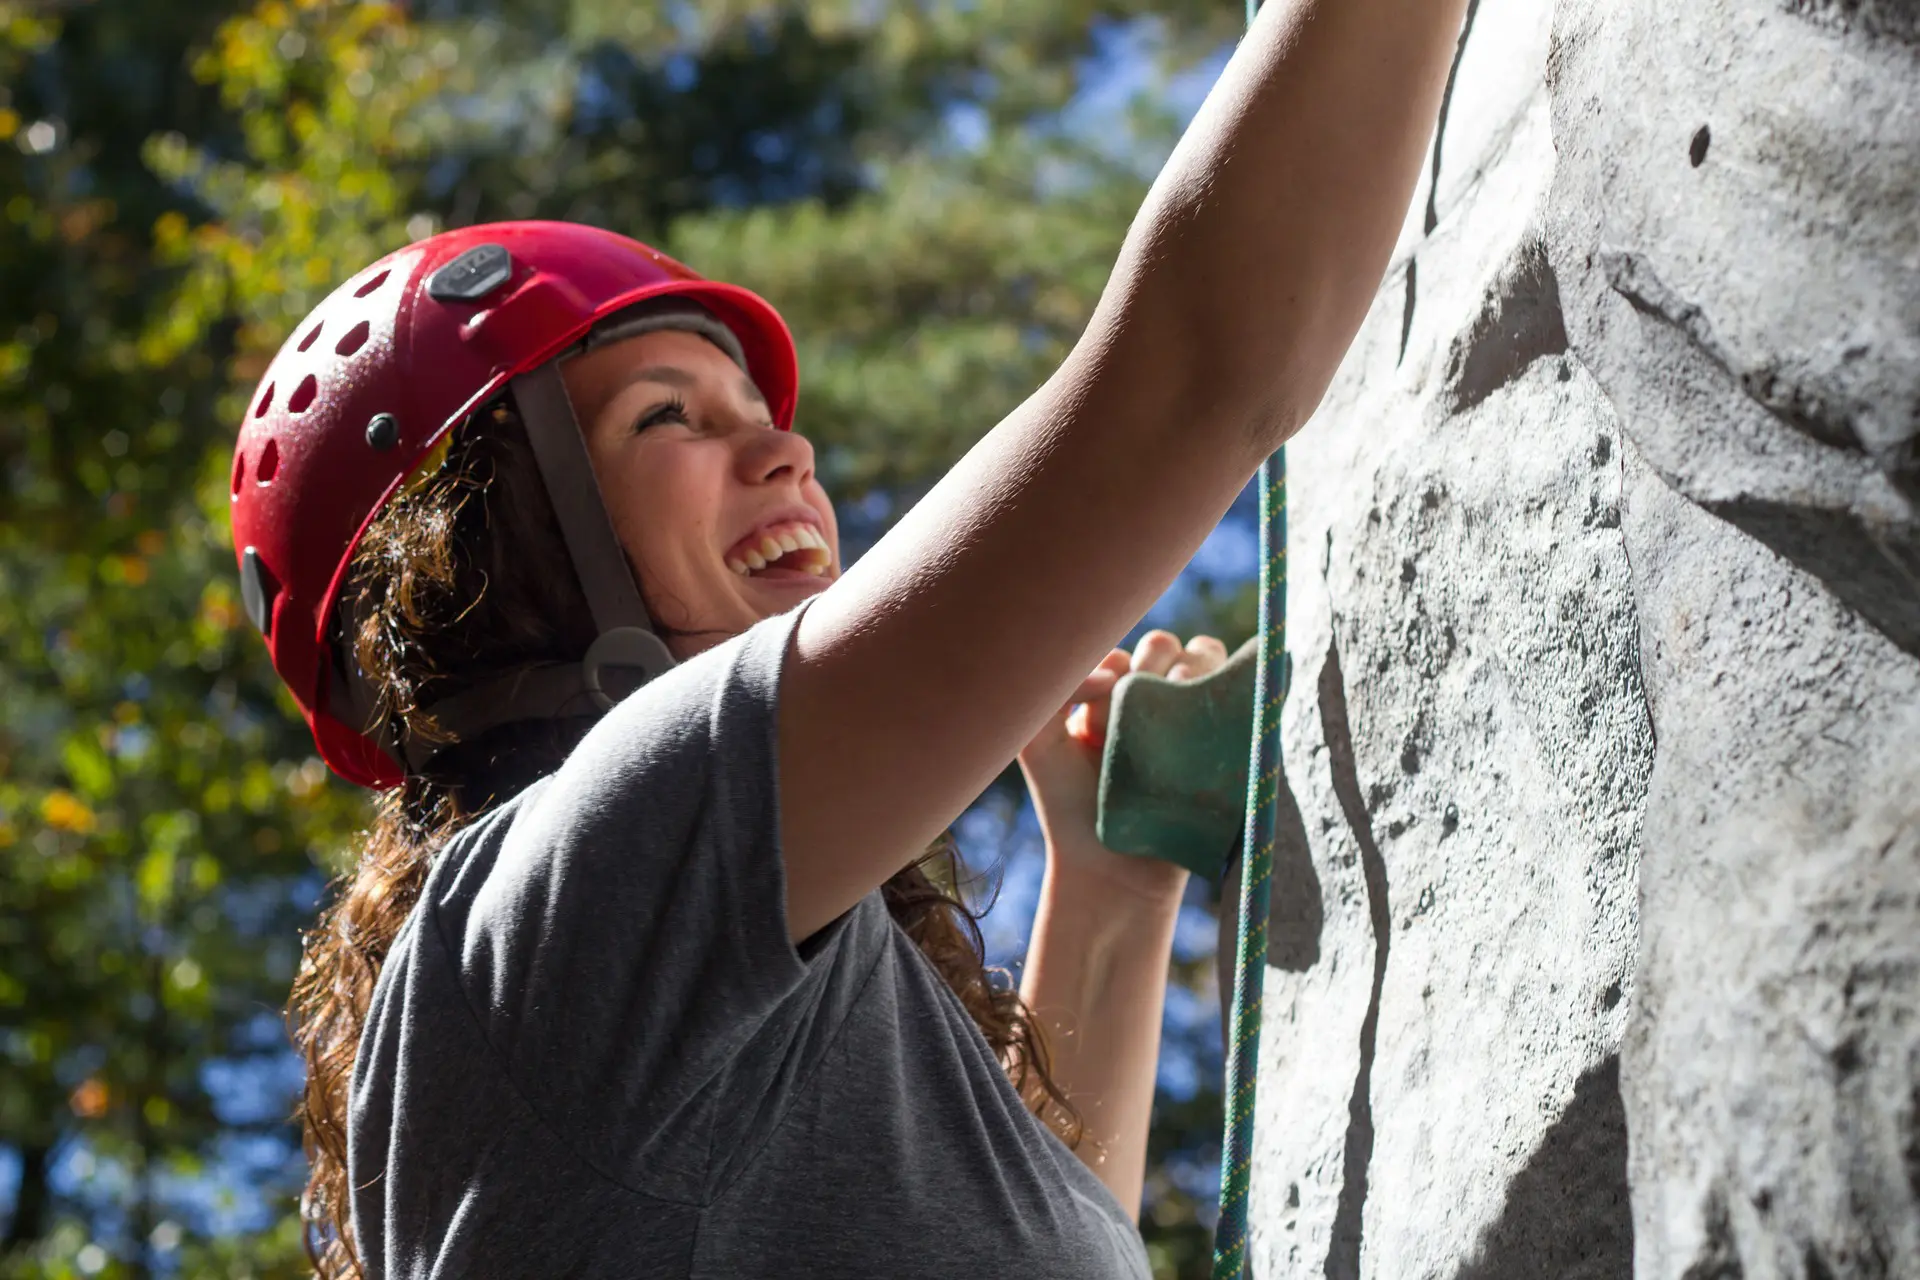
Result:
x=1596 y=930
x=1737 y=212
x=1739 y=257
x=1772 y=1064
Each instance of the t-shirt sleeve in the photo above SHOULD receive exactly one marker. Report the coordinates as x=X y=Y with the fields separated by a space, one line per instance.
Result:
x=622 y=938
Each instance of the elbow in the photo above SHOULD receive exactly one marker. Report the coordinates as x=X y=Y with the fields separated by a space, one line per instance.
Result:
x=1211 y=353
x=1217 y=377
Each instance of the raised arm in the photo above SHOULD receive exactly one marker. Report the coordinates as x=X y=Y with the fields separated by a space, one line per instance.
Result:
x=915 y=678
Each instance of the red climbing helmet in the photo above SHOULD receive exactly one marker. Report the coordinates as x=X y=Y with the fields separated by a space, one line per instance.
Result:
x=369 y=384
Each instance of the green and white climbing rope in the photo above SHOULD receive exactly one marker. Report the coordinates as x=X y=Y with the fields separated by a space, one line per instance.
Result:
x=1263 y=784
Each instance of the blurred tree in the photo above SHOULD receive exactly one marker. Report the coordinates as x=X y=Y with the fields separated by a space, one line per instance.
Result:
x=178 y=185
x=157 y=811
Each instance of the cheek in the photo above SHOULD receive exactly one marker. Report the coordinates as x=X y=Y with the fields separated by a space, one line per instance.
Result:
x=658 y=498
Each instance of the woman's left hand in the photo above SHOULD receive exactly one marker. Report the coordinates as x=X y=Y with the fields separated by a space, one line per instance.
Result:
x=1062 y=767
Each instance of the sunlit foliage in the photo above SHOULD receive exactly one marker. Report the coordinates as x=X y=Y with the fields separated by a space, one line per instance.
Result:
x=178 y=184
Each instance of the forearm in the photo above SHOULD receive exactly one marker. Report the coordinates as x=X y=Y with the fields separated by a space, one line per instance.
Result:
x=1240 y=287
x=1255 y=257
x=1096 y=979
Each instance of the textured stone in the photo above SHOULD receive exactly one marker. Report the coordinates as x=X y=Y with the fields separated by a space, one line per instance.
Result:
x=1468 y=746
x=1735 y=220
x=1774 y=1056
x=1737 y=216
x=1595 y=936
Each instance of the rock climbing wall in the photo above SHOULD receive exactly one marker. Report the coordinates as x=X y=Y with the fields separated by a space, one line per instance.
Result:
x=1596 y=928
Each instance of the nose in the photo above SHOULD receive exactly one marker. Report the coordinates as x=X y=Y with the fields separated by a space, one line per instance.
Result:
x=768 y=454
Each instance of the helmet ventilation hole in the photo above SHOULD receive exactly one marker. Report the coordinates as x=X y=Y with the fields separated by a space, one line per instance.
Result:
x=239 y=472
x=303 y=395
x=371 y=285
x=313 y=336
x=355 y=338
x=266 y=402
x=269 y=464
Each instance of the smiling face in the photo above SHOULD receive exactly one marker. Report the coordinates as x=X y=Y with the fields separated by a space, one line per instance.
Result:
x=719 y=511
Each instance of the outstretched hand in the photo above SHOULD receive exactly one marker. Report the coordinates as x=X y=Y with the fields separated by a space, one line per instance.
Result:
x=1062 y=767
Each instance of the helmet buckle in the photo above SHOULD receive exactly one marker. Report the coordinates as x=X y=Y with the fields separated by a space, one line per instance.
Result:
x=623 y=647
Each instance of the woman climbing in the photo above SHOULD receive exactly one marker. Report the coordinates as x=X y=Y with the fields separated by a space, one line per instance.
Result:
x=641 y=971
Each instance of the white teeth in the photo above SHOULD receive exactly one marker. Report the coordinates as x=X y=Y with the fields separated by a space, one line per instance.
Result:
x=786 y=540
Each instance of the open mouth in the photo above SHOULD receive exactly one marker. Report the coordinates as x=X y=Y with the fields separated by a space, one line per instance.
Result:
x=788 y=550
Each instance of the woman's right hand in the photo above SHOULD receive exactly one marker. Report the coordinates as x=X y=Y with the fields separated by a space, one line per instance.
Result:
x=1062 y=768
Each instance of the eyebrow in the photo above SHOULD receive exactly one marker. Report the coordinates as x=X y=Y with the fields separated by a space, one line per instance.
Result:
x=674 y=376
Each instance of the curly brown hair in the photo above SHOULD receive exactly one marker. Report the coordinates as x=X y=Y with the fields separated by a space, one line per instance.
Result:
x=449 y=588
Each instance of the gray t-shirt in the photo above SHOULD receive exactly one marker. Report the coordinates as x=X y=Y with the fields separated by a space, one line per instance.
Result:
x=593 y=1051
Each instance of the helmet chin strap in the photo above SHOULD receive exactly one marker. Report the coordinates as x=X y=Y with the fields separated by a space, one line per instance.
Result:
x=625 y=654
x=626 y=637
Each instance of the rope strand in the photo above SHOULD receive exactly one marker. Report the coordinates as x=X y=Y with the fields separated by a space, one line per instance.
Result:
x=1271 y=678
x=1263 y=784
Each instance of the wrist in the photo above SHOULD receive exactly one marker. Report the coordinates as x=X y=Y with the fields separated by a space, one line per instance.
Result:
x=1116 y=884
x=1102 y=921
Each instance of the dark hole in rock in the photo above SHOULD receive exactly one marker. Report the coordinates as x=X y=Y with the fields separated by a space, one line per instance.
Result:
x=1697 y=149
